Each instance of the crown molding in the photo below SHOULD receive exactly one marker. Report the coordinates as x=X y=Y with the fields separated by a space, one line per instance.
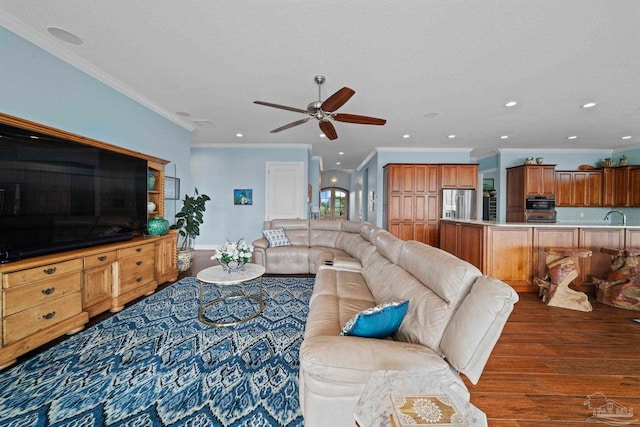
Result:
x=54 y=48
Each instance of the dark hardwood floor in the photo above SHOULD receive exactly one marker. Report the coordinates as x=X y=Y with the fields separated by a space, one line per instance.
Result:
x=548 y=361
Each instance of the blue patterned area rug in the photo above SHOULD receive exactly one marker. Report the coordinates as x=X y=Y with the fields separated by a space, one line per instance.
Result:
x=155 y=364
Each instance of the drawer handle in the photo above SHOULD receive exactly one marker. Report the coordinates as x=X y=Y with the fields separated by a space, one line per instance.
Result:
x=50 y=270
x=138 y=249
x=49 y=315
x=49 y=291
x=138 y=262
x=139 y=279
x=102 y=257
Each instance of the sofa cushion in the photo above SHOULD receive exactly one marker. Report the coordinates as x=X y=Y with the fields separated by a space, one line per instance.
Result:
x=276 y=237
x=446 y=275
x=297 y=230
x=389 y=245
x=380 y=321
x=476 y=326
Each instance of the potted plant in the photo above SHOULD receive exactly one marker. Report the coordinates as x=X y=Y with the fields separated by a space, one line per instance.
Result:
x=188 y=222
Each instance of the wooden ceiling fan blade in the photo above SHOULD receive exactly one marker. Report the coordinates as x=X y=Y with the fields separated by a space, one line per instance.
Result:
x=282 y=107
x=337 y=100
x=328 y=129
x=290 y=125
x=357 y=119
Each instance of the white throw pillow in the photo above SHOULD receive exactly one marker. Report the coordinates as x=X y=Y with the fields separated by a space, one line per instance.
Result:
x=276 y=237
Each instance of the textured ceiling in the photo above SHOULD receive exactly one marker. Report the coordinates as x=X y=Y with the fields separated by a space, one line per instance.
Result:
x=406 y=59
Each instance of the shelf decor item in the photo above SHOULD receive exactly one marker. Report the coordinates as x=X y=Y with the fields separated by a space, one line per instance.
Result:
x=188 y=222
x=151 y=181
x=608 y=163
x=151 y=207
x=157 y=226
x=234 y=255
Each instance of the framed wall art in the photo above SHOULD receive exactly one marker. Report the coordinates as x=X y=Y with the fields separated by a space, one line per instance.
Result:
x=171 y=188
x=243 y=196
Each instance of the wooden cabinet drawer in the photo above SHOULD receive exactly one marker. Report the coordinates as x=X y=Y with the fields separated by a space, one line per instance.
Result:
x=100 y=259
x=136 y=250
x=27 y=322
x=134 y=278
x=21 y=298
x=134 y=263
x=22 y=277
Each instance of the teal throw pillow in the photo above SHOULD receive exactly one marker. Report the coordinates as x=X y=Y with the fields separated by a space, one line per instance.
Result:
x=378 y=322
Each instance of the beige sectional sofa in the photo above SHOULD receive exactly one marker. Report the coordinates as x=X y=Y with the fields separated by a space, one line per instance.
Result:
x=454 y=318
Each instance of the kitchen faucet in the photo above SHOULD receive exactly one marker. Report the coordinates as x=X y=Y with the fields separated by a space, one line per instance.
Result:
x=624 y=217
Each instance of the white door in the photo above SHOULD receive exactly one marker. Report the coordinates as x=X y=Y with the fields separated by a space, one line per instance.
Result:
x=285 y=187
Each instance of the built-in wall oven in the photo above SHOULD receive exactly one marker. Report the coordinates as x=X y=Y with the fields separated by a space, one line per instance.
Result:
x=540 y=209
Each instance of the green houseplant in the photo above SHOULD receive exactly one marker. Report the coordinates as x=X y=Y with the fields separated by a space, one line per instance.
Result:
x=188 y=222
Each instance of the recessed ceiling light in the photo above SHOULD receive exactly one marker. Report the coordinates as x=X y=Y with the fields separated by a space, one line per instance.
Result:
x=572 y=137
x=504 y=137
x=406 y=135
x=341 y=153
x=511 y=104
x=626 y=137
x=64 y=35
x=589 y=105
x=33 y=137
x=239 y=135
x=451 y=136
x=322 y=135
x=337 y=163
x=430 y=115
x=183 y=114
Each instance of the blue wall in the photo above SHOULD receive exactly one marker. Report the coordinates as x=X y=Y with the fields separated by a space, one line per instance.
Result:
x=217 y=171
x=37 y=86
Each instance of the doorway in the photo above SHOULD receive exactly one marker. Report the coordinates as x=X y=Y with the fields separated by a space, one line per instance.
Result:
x=334 y=203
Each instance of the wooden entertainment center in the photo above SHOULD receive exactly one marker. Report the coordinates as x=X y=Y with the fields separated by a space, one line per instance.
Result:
x=47 y=296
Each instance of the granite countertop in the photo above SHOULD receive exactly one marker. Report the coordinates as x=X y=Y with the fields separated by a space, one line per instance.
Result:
x=558 y=224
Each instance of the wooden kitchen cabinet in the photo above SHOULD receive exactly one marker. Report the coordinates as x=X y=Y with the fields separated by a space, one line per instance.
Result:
x=595 y=238
x=524 y=181
x=621 y=186
x=459 y=176
x=464 y=240
x=539 y=180
x=578 y=188
x=544 y=237
x=412 y=201
x=509 y=255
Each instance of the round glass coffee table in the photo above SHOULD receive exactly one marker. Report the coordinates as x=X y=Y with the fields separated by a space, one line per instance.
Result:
x=237 y=279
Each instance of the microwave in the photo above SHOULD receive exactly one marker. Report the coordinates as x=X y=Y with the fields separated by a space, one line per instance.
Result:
x=541 y=203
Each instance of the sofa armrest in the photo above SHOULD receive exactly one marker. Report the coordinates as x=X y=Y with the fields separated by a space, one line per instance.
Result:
x=260 y=251
x=261 y=243
x=476 y=326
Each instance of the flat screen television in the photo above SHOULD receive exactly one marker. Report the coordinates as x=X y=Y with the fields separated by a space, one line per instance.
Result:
x=58 y=195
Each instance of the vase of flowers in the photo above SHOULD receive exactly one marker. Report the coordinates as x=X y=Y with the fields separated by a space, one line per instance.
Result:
x=234 y=255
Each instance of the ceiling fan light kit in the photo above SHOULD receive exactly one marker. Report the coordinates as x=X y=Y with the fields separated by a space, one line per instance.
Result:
x=324 y=111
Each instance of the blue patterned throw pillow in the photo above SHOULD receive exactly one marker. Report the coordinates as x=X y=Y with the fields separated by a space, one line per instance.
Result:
x=380 y=321
x=276 y=237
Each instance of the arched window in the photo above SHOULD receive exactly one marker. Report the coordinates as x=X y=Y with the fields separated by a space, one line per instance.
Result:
x=334 y=203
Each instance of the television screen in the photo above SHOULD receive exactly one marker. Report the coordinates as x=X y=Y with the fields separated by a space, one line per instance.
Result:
x=58 y=195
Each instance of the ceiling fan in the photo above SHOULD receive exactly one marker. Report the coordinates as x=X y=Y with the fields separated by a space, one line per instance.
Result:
x=324 y=111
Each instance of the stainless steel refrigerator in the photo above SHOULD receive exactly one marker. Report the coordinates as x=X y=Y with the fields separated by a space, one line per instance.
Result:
x=458 y=204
